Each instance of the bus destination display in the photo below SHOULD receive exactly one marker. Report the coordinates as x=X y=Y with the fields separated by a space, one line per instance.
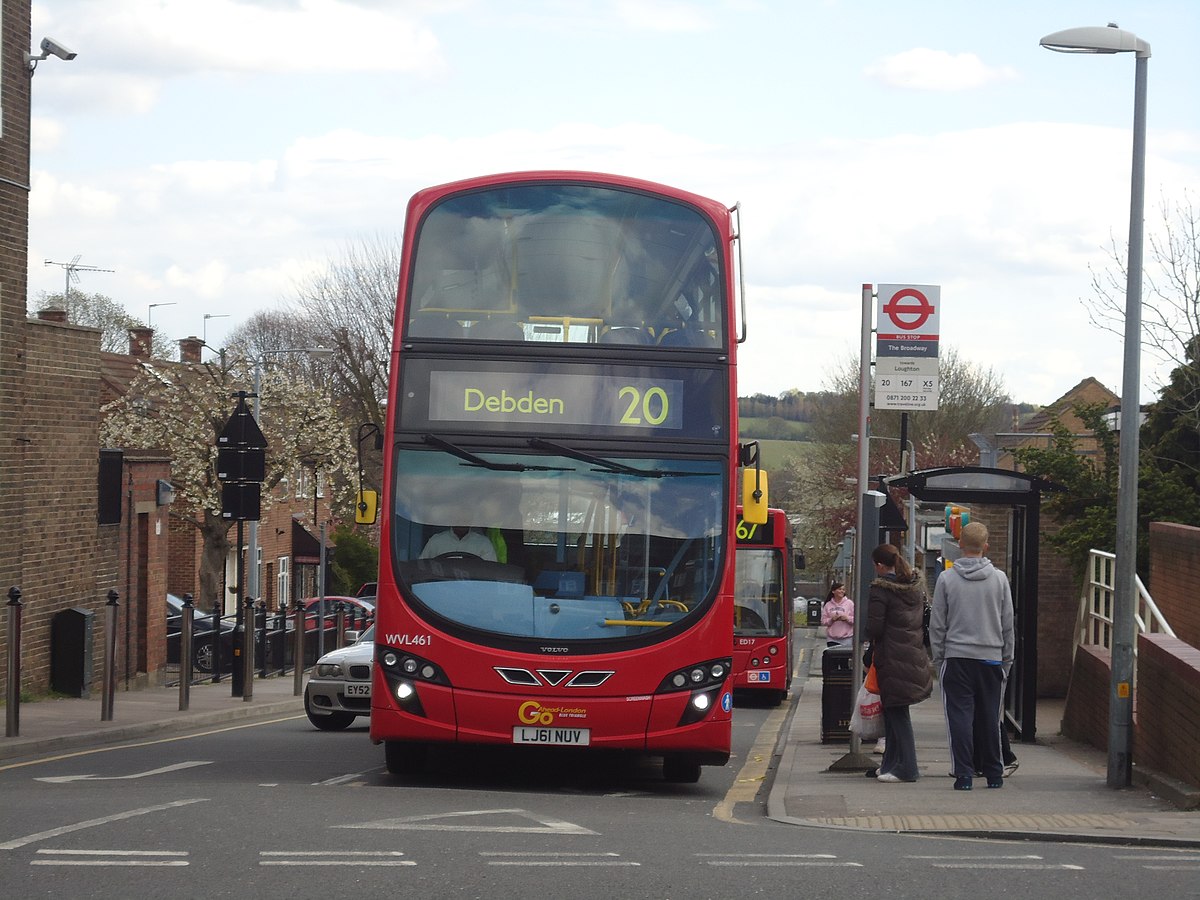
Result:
x=555 y=400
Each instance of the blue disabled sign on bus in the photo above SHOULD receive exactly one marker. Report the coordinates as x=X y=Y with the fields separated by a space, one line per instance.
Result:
x=906 y=346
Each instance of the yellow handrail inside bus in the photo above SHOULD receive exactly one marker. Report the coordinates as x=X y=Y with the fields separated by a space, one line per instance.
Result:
x=640 y=623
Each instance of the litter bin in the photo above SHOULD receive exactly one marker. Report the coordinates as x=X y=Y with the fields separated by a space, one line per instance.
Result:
x=71 y=652
x=814 y=613
x=836 y=695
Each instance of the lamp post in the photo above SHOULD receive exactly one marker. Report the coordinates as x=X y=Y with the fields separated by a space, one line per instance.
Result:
x=252 y=587
x=1120 y=708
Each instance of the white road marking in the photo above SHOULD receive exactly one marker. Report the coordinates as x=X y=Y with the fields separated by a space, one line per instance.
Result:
x=430 y=823
x=985 y=856
x=184 y=737
x=109 y=858
x=63 y=779
x=1029 y=866
x=334 y=858
x=92 y=823
x=341 y=779
x=543 y=860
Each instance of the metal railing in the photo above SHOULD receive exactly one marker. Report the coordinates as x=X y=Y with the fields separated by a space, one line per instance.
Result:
x=1094 y=626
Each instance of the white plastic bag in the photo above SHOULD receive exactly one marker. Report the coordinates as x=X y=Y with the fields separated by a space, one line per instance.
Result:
x=867 y=719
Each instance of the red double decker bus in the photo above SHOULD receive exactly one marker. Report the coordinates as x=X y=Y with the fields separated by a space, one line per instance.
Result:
x=762 y=610
x=559 y=486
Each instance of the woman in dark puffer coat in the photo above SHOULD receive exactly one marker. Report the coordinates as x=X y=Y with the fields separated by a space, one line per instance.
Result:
x=895 y=626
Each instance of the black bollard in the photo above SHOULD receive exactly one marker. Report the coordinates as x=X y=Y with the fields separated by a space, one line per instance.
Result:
x=185 y=652
x=111 y=609
x=216 y=642
x=12 y=709
x=262 y=638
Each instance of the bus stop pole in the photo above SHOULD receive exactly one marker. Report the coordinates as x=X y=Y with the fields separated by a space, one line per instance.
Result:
x=865 y=533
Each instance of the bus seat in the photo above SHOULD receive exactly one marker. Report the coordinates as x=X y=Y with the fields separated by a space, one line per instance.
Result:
x=687 y=337
x=439 y=326
x=623 y=334
x=497 y=330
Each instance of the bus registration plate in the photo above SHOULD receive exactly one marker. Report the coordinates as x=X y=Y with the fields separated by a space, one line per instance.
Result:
x=573 y=737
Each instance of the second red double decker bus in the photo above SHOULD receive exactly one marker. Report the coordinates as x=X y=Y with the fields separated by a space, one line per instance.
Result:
x=762 y=611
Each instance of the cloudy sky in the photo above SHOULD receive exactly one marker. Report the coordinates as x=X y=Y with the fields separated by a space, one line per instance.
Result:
x=212 y=154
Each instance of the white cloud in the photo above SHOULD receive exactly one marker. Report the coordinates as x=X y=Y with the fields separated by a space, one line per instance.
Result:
x=923 y=69
x=299 y=36
x=208 y=280
x=663 y=15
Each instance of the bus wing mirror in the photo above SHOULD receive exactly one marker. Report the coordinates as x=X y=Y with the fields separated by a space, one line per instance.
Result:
x=799 y=562
x=754 y=496
x=366 y=508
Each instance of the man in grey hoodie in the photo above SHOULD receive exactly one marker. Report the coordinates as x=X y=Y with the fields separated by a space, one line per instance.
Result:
x=972 y=641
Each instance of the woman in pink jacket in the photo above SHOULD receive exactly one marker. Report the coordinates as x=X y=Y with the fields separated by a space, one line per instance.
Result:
x=837 y=615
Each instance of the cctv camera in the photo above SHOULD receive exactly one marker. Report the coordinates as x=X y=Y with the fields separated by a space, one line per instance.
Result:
x=49 y=45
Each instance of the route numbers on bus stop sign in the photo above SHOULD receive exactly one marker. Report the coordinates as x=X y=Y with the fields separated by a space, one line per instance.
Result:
x=906 y=346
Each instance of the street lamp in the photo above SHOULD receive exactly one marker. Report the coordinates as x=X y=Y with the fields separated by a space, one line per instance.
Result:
x=1120 y=708
x=252 y=550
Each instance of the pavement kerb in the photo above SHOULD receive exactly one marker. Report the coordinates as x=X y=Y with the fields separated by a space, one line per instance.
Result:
x=19 y=748
x=786 y=751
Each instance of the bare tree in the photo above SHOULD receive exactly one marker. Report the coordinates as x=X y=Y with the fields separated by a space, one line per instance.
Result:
x=352 y=306
x=1171 y=301
x=182 y=408
x=822 y=488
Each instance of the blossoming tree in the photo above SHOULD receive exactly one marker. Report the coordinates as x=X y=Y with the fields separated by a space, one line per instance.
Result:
x=181 y=408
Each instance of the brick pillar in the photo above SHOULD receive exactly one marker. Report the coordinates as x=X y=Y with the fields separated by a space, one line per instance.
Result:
x=141 y=342
x=189 y=349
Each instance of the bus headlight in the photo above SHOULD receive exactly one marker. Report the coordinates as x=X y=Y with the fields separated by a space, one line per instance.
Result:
x=699 y=705
x=696 y=677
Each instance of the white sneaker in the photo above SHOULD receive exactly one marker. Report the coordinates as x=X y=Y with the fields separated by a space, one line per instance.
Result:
x=888 y=778
x=880 y=745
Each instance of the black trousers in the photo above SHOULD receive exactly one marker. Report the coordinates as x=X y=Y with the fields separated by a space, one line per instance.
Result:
x=972 y=695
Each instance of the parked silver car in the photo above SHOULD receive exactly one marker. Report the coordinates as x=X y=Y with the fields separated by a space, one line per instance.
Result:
x=339 y=688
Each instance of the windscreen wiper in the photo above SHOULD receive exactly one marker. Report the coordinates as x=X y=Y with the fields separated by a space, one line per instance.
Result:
x=468 y=456
x=607 y=464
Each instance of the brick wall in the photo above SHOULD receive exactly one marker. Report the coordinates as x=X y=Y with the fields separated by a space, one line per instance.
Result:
x=1085 y=714
x=58 y=484
x=1174 y=564
x=14 y=217
x=1167 y=735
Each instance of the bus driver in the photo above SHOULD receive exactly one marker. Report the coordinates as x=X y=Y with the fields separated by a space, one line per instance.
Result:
x=459 y=539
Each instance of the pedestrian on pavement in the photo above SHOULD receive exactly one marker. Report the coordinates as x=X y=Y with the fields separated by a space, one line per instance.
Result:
x=971 y=638
x=895 y=616
x=837 y=615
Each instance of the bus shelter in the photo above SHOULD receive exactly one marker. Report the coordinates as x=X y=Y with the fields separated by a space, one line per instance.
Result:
x=1021 y=493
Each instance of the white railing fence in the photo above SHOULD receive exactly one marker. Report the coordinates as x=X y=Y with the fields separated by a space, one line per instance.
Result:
x=1095 y=623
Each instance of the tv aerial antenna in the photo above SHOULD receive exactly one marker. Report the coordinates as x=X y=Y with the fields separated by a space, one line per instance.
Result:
x=73 y=268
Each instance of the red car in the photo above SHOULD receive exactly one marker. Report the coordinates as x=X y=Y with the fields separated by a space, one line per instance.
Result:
x=361 y=608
